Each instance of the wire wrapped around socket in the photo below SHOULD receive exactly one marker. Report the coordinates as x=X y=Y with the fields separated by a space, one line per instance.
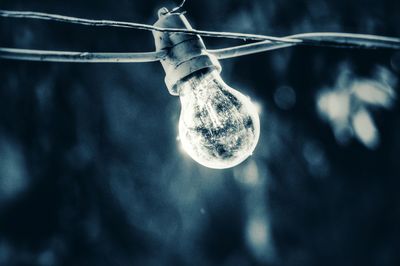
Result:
x=186 y=53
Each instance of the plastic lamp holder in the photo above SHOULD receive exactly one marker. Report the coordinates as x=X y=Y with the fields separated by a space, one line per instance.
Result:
x=186 y=53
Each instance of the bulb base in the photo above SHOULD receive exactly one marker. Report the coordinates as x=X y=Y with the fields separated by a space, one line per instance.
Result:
x=186 y=53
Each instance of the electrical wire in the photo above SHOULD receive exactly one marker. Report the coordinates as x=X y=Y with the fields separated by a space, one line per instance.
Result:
x=247 y=49
x=331 y=39
x=325 y=39
x=80 y=57
x=348 y=40
x=178 y=7
x=140 y=26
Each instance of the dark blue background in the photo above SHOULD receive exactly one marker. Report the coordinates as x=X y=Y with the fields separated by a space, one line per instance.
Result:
x=91 y=172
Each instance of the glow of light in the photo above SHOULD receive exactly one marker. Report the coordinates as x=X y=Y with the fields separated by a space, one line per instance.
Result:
x=218 y=127
x=180 y=145
x=258 y=107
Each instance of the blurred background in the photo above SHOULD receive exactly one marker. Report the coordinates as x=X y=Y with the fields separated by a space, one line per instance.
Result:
x=92 y=173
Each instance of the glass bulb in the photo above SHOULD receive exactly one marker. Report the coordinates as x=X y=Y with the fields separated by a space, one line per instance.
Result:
x=219 y=127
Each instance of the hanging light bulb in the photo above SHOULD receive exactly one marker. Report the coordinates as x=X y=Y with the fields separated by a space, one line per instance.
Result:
x=219 y=127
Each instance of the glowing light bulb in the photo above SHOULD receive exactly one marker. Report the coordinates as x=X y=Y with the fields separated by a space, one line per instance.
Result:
x=219 y=127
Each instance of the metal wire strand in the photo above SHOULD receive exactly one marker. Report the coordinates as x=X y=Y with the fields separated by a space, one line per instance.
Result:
x=140 y=26
x=80 y=57
x=178 y=7
x=326 y=39
x=331 y=39
x=340 y=40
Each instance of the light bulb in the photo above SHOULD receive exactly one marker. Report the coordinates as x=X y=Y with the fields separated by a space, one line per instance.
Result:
x=219 y=127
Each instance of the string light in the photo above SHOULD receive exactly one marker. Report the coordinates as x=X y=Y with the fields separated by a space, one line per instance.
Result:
x=219 y=127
